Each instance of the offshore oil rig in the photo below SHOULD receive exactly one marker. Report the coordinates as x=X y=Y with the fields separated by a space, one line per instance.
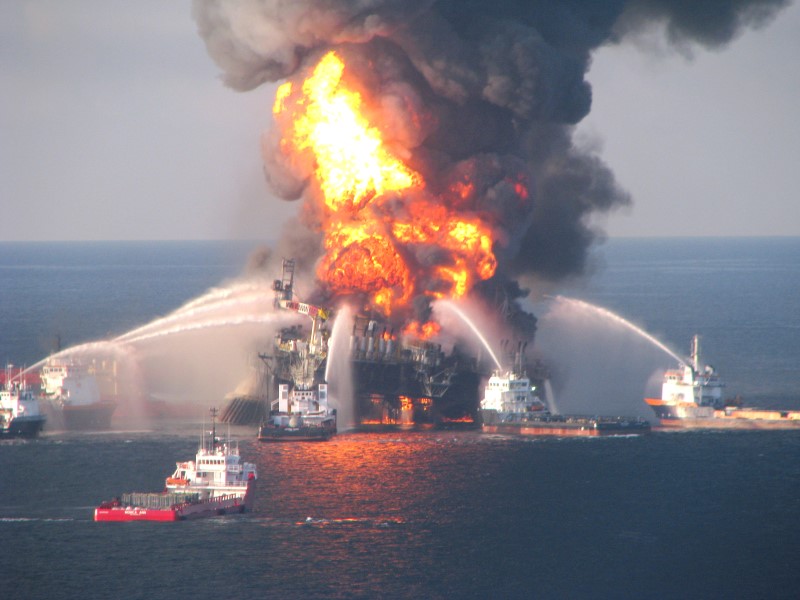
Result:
x=396 y=379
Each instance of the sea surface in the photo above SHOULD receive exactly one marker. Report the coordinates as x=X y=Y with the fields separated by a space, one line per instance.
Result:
x=428 y=514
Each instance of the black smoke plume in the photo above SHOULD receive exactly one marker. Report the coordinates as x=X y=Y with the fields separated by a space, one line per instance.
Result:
x=489 y=90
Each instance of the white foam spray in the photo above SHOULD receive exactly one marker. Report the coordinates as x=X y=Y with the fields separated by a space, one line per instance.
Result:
x=550 y=397
x=338 y=370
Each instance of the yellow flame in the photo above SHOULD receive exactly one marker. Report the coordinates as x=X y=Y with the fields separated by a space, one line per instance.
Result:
x=352 y=163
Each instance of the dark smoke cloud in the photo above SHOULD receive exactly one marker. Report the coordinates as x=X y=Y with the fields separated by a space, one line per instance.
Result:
x=711 y=23
x=485 y=90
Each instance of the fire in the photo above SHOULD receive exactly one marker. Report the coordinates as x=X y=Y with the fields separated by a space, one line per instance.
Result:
x=352 y=164
x=422 y=330
x=375 y=212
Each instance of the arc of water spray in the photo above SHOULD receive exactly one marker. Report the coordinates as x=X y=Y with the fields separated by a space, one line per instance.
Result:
x=217 y=294
x=616 y=318
x=472 y=326
x=216 y=299
x=244 y=320
x=88 y=347
x=213 y=303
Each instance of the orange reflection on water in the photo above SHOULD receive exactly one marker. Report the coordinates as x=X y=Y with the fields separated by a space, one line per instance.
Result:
x=339 y=479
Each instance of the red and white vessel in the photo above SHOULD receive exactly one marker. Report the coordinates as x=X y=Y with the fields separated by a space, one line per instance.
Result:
x=217 y=482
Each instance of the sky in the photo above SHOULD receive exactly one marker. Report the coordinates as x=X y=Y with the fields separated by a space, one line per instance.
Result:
x=115 y=125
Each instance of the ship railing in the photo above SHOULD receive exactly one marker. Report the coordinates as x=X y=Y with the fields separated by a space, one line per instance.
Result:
x=158 y=501
x=237 y=484
x=212 y=499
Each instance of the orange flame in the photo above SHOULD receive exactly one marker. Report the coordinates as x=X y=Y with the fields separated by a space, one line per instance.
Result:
x=352 y=164
x=422 y=330
x=369 y=242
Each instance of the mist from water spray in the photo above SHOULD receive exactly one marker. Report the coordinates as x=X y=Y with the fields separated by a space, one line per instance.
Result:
x=451 y=306
x=604 y=312
x=597 y=364
x=141 y=374
x=550 y=398
x=338 y=370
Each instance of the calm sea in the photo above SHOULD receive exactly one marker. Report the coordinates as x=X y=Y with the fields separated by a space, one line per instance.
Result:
x=426 y=514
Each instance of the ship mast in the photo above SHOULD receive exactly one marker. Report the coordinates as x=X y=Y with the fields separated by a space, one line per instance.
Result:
x=214 y=411
x=696 y=353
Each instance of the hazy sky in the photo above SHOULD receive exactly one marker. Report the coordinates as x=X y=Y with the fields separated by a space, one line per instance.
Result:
x=115 y=125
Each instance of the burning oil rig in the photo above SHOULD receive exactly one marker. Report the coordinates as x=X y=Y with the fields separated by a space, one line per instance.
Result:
x=396 y=380
x=409 y=381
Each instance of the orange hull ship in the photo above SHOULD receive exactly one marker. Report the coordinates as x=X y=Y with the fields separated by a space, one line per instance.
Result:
x=571 y=426
x=692 y=398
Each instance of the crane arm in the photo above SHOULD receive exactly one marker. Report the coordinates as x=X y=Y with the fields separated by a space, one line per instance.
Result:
x=305 y=309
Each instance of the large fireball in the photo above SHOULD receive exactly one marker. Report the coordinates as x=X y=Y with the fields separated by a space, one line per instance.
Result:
x=376 y=215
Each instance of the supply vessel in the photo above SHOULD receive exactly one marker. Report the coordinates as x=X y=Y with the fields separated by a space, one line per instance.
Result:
x=216 y=482
x=692 y=398
x=511 y=405
x=19 y=407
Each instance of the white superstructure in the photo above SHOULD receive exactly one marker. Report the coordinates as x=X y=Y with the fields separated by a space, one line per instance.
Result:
x=510 y=393
x=217 y=470
x=19 y=411
x=692 y=392
x=68 y=383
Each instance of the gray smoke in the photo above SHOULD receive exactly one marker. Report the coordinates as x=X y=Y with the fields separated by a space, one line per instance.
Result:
x=471 y=89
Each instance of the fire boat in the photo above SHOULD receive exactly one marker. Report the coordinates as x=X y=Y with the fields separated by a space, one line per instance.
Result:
x=511 y=405
x=692 y=398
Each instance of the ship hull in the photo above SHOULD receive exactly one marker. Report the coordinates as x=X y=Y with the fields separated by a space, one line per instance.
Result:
x=23 y=427
x=210 y=508
x=268 y=433
x=88 y=417
x=677 y=416
x=562 y=425
x=585 y=429
x=219 y=505
x=729 y=423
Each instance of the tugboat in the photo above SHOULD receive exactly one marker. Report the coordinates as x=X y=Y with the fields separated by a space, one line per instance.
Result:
x=215 y=483
x=510 y=405
x=72 y=396
x=19 y=409
x=692 y=398
x=301 y=411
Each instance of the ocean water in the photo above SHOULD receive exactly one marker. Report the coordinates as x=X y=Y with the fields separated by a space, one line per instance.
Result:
x=428 y=514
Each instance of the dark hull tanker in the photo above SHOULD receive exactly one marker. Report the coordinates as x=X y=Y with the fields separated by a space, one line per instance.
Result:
x=511 y=405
